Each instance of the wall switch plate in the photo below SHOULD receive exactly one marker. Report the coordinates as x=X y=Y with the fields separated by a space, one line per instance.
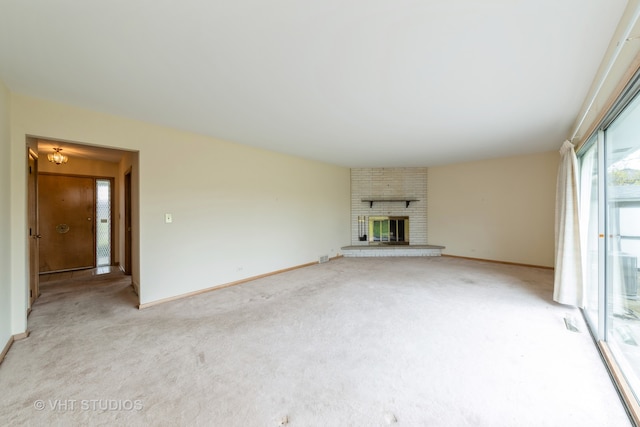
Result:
x=168 y=218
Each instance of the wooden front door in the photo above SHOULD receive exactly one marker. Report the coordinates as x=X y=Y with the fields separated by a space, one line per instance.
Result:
x=66 y=209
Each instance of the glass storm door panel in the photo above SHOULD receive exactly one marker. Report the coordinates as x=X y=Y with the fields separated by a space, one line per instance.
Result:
x=103 y=220
x=622 y=201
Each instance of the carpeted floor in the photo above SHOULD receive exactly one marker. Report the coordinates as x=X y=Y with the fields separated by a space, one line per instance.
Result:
x=354 y=342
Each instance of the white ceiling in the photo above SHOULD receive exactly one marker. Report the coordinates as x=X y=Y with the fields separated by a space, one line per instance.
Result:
x=354 y=83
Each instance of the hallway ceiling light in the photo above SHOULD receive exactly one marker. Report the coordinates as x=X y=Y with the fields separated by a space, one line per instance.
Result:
x=57 y=157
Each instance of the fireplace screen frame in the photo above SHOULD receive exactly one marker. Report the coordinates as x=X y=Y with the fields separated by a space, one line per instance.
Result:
x=388 y=230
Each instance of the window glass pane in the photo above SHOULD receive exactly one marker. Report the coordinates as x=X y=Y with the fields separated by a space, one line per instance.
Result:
x=629 y=226
x=631 y=247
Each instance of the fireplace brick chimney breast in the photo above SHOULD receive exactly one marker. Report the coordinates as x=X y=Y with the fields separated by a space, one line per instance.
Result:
x=389 y=184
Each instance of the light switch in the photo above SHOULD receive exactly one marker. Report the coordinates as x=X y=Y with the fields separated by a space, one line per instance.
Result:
x=168 y=218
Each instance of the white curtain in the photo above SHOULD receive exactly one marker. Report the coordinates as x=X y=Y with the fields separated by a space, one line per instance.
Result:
x=568 y=286
x=589 y=226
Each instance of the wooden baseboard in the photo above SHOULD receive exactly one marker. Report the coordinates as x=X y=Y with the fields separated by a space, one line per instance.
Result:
x=499 y=262
x=18 y=337
x=621 y=383
x=6 y=348
x=226 y=285
x=12 y=339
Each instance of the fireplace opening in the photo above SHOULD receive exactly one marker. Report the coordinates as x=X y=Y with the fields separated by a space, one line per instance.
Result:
x=389 y=230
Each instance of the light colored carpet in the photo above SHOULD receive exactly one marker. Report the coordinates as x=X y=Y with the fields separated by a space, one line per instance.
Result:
x=353 y=342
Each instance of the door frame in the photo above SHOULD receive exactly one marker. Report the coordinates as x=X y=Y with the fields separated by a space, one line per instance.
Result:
x=33 y=224
x=130 y=158
x=127 y=222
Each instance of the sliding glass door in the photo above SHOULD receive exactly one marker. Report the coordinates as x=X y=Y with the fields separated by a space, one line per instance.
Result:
x=610 y=230
x=622 y=201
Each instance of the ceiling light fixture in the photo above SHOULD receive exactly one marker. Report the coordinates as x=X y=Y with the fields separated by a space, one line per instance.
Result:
x=57 y=157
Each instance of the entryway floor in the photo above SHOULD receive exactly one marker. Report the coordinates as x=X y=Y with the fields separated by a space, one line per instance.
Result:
x=64 y=275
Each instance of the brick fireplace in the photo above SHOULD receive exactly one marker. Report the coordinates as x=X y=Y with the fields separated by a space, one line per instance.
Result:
x=389 y=206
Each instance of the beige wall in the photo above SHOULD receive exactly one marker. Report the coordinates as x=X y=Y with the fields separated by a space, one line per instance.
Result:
x=237 y=211
x=499 y=209
x=240 y=212
x=5 y=220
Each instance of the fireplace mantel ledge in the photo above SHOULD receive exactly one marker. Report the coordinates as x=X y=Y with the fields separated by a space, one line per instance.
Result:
x=406 y=200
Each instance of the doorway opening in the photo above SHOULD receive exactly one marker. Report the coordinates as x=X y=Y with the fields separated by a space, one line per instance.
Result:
x=111 y=181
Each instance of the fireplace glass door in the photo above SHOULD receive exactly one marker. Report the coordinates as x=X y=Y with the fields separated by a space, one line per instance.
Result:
x=389 y=230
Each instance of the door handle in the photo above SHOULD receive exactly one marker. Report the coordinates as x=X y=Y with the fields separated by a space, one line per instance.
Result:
x=37 y=236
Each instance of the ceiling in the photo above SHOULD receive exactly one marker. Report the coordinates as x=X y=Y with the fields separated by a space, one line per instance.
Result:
x=355 y=83
x=83 y=151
